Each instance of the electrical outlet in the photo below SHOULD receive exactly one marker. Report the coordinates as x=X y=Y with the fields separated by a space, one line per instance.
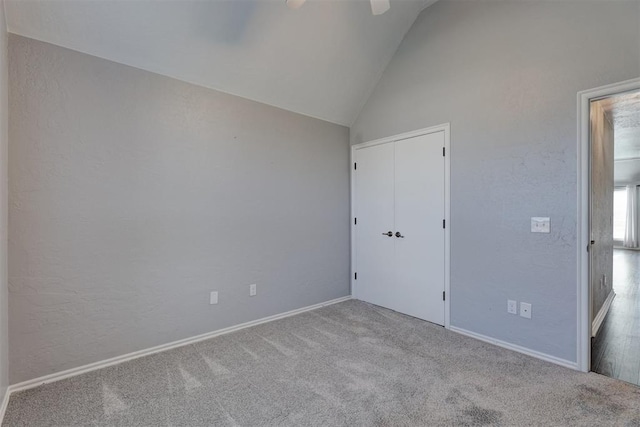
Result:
x=213 y=297
x=525 y=310
x=252 y=290
x=512 y=306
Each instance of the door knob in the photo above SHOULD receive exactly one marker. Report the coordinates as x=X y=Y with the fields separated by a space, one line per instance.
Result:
x=388 y=233
x=399 y=235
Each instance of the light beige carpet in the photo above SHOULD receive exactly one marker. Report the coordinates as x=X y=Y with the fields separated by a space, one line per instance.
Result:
x=350 y=364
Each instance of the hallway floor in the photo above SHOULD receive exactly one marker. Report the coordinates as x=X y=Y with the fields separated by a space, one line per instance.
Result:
x=615 y=352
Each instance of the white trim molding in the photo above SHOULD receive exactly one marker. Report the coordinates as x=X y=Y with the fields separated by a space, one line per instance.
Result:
x=164 y=347
x=4 y=404
x=446 y=128
x=517 y=348
x=597 y=321
x=583 y=299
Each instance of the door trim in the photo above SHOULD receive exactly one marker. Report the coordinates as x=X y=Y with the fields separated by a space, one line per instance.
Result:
x=446 y=128
x=583 y=188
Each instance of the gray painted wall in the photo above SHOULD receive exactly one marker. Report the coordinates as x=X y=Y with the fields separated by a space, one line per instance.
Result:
x=626 y=171
x=133 y=195
x=4 y=138
x=602 y=147
x=505 y=74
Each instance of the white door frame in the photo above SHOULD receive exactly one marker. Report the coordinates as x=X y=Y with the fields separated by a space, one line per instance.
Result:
x=584 y=176
x=446 y=128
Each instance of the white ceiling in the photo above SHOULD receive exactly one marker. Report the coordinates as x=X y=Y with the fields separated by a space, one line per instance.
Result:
x=322 y=60
x=624 y=112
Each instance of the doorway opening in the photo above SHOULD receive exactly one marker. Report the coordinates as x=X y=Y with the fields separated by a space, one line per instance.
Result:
x=613 y=248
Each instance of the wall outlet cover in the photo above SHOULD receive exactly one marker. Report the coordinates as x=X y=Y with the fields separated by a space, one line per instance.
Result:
x=512 y=306
x=252 y=290
x=213 y=297
x=525 y=310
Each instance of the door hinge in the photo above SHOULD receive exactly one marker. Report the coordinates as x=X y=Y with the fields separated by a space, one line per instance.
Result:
x=355 y=221
x=355 y=166
x=443 y=151
x=355 y=276
x=443 y=296
x=444 y=223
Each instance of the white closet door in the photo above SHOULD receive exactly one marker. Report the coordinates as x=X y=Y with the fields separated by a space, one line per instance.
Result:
x=374 y=210
x=419 y=214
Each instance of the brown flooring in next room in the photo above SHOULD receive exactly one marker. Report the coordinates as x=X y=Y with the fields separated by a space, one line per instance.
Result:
x=615 y=352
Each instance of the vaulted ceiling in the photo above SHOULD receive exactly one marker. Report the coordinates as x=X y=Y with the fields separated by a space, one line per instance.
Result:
x=322 y=60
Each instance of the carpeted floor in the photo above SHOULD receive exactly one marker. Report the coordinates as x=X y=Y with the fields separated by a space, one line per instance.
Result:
x=350 y=364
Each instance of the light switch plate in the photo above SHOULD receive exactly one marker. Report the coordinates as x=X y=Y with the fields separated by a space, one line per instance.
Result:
x=213 y=297
x=540 y=224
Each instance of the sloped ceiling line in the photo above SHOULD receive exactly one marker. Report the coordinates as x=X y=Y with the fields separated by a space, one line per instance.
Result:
x=322 y=60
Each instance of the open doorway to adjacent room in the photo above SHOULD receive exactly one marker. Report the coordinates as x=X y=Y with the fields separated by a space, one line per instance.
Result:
x=614 y=232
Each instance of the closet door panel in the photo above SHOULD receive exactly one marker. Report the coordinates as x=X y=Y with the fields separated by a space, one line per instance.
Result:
x=374 y=209
x=419 y=213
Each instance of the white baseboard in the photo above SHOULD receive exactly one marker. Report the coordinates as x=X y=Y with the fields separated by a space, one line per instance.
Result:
x=597 y=321
x=3 y=405
x=519 y=349
x=164 y=347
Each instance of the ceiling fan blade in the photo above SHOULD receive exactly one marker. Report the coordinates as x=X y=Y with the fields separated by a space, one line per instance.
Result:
x=294 y=4
x=378 y=7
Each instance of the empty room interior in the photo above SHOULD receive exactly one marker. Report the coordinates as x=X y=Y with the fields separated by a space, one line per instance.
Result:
x=320 y=212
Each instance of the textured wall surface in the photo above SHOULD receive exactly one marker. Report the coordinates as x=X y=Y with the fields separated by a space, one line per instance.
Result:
x=601 y=207
x=505 y=74
x=4 y=129
x=133 y=195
